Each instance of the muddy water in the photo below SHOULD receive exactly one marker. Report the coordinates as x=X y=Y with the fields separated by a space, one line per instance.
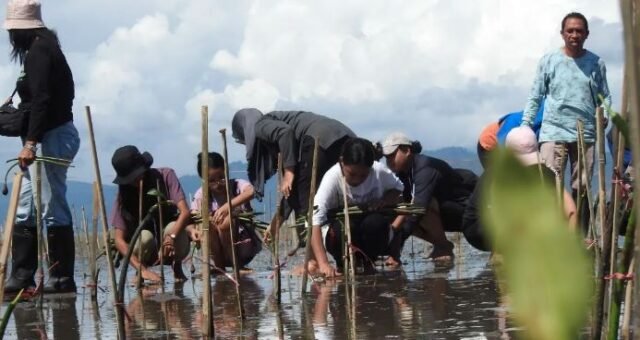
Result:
x=420 y=301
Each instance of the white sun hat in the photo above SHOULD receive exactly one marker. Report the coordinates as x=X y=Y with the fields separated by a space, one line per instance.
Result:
x=23 y=14
x=522 y=140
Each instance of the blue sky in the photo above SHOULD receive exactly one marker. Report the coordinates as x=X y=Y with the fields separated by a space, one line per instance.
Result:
x=438 y=70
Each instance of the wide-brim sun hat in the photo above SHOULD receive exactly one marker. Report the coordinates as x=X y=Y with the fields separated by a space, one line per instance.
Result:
x=523 y=142
x=391 y=143
x=130 y=164
x=23 y=14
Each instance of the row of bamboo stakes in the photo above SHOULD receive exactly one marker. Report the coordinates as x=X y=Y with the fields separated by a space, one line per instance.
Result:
x=99 y=212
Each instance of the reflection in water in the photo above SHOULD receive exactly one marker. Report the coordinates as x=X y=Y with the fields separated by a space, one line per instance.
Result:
x=226 y=314
x=419 y=301
x=167 y=315
x=59 y=318
x=398 y=307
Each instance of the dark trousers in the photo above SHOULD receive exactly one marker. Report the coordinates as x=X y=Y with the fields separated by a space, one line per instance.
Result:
x=483 y=156
x=369 y=233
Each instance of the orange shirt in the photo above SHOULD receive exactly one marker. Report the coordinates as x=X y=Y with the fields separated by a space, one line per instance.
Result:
x=488 y=137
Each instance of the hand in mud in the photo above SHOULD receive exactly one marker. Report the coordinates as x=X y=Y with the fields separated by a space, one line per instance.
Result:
x=150 y=275
x=221 y=214
x=328 y=271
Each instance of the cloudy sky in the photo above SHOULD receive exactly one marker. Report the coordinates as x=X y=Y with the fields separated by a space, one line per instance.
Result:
x=437 y=69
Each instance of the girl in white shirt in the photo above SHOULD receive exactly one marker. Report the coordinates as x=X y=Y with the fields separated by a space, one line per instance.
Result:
x=370 y=185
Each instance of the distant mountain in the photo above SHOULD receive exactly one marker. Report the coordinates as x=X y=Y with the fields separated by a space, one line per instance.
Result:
x=458 y=157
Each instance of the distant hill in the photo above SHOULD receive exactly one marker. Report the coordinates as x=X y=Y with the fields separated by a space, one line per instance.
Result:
x=458 y=157
x=80 y=193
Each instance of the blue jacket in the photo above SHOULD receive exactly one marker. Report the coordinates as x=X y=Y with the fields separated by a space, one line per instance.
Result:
x=513 y=120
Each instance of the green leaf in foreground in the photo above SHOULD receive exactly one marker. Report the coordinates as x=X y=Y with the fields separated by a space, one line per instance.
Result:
x=8 y=312
x=546 y=269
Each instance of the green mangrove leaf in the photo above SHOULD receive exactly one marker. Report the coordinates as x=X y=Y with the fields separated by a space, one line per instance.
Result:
x=8 y=312
x=621 y=124
x=156 y=193
x=617 y=120
x=546 y=270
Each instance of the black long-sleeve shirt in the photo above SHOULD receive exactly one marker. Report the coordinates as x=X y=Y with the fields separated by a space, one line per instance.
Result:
x=287 y=128
x=46 y=86
x=430 y=178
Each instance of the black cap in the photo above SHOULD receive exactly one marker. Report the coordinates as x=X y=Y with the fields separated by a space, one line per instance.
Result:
x=129 y=164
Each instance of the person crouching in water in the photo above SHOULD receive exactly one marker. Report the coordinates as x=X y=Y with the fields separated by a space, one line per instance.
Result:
x=430 y=183
x=134 y=177
x=370 y=185
x=248 y=245
x=524 y=144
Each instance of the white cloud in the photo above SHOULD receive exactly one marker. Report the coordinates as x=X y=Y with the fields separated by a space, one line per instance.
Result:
x=436 y=69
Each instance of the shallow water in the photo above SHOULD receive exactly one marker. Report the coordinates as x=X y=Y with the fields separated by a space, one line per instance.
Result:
x=419 y=301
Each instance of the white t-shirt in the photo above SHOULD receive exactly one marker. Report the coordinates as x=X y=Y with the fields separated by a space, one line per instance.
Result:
x=329 y=194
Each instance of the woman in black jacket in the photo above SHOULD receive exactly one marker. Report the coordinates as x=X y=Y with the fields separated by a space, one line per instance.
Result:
x=46 y=87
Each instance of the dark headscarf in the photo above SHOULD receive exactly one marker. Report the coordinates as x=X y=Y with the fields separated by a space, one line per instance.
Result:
x=261 y=161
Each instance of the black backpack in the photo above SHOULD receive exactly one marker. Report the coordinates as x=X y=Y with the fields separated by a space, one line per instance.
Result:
x=14 y=121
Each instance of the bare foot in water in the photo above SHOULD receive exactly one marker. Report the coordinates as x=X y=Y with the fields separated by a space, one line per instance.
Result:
x=178 y=274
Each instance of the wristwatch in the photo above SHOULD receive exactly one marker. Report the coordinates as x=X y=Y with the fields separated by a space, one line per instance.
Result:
x=31 y=147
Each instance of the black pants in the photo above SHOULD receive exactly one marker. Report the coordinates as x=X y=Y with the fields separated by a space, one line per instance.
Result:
x=483 y=156
x=369 y=233
x=472 y=228
x=299 y=199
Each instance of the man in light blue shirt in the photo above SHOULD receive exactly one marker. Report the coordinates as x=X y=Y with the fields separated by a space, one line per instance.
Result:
x=571 y=80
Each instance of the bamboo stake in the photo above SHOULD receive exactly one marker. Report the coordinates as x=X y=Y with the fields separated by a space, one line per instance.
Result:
x=630 y=10
x=274 y=228
x=579 y=194
x=94 y=246
x=615 y=288
x=105 y=229
x=38 y=199
x=347 y=229
x=604 y=234
x=591 y=230
x=628 y=297
x=560 y=176
x=160 y=234
x=208 y=329
x=8 y=229
x=587 y=184
x=91 y=256
x=232 y=229
x=82 y=221
x=139 y=273
x=312 y=194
